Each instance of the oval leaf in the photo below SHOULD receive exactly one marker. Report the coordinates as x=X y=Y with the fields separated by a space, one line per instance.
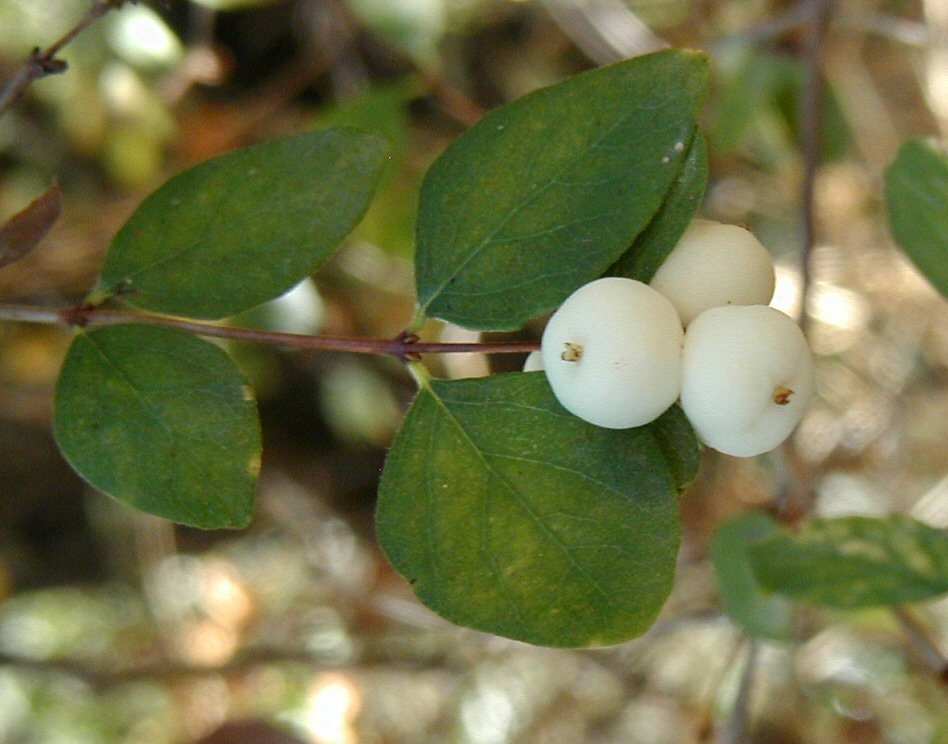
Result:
x=759 y=96
x=509 y=515
x=760 y=614
x=916 y=190
x=543 y=195
x=243 y=228
x=162 y=421
x=656 y=241
x=855 y=562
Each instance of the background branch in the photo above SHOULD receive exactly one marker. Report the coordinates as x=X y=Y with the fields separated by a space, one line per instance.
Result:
x=734 y=730
x=814 y=93
x=169 y=671
x=42 y=63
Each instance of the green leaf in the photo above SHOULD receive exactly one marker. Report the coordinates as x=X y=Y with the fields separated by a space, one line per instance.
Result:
x=245 y=227
x=543 y=195
x=509 y=515
x=759 y=95
x=163 y=422
x=381 y=110
x=679 y=445
x=760 y=614
x=916 y=190
x=389 y=222
x=855 y=562
x=653 y=244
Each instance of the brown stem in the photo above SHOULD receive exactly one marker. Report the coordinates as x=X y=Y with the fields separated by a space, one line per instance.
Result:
x=457 y=105
x=404 y=346
x=794 y=500
x=41 y=63
x=814 y=95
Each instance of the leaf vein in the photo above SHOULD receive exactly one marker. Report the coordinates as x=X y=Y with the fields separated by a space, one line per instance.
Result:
x=525 y=506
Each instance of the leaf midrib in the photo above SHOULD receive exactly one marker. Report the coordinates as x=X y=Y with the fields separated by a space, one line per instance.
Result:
x=538 y=191
x=854 y=565
x=431 y=521
x=521 y=502
x=171 y=435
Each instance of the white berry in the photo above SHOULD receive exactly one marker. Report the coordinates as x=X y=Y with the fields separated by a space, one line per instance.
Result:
x=713 y=265
x=747 y=377
x=612 y=353
x=533 y=362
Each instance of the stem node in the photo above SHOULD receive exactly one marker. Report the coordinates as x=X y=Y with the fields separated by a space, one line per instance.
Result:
x=76 y=317
x=405 y=341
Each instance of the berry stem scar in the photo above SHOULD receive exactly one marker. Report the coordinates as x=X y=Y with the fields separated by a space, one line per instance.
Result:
x=782 y=395
x=572 y=352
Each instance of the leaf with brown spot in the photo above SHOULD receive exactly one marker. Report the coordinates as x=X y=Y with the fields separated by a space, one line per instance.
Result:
x=24 y=230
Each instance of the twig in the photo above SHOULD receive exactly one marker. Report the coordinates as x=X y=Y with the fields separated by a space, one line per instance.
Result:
x=405 y=346
x=161 y=670
x=888 y=27
x=41 y=63
x=735 y=729
x=922 y=642
x=455 y=103
x=789 y=21
x=604 y=30
x=814 y=94
x=789 y=503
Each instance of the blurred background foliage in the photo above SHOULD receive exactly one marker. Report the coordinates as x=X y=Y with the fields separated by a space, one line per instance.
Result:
x=116 y=627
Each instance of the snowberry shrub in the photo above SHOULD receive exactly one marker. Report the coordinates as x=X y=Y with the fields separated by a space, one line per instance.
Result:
x=503 y=511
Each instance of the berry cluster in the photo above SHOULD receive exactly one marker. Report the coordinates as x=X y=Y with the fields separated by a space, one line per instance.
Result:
x=618 y=353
